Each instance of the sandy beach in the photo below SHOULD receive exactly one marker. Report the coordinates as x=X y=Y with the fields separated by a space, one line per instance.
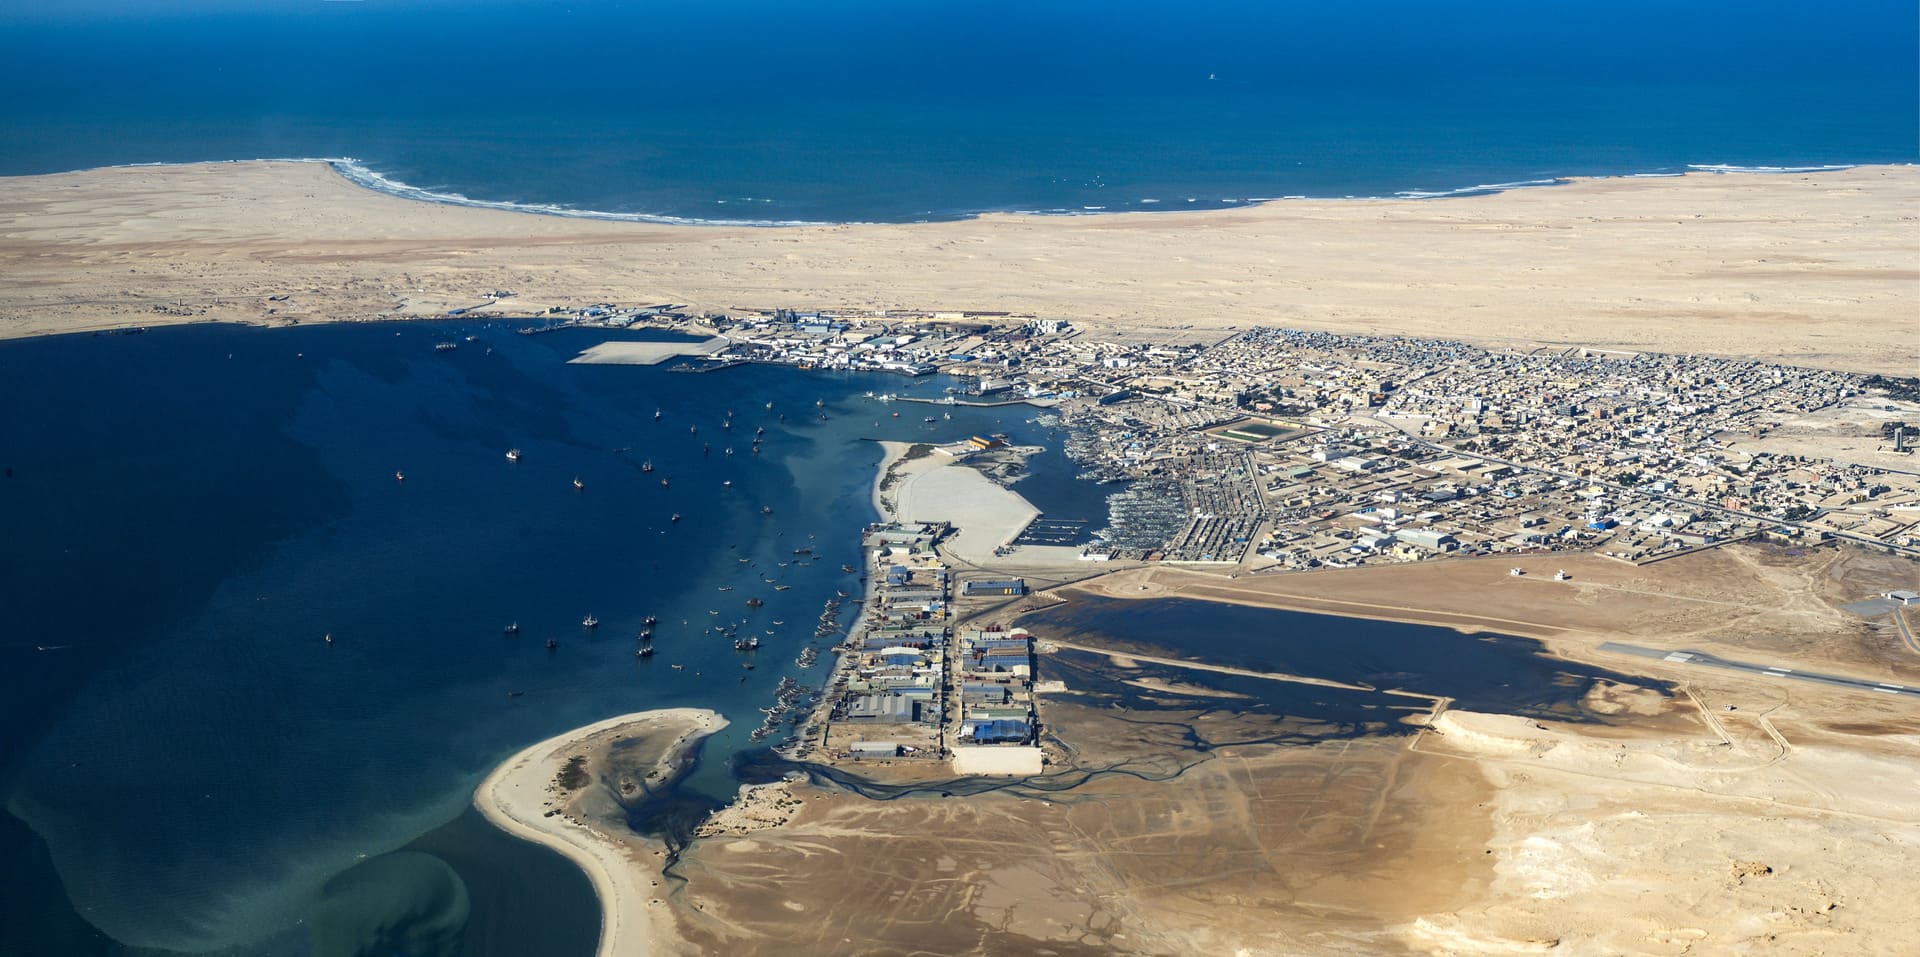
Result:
x=1818 y=269
x=524 y=797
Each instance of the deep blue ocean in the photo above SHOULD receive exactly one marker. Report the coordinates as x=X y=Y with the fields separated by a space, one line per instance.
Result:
x=852 y=110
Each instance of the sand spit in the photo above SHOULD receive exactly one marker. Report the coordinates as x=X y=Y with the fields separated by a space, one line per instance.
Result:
x=1805 y=268
x=526 y=797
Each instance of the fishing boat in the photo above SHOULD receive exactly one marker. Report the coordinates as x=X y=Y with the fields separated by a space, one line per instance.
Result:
x=513 y=628
x=663 y=483
x=577 y=484
x=513 y=455
x=766 y=510
x=727 y=484
x=675 y=519
x=755 y=602
x=656 y=415
x=552 y=644
x=399 y=476
x=646 y=652
x=444 y=347
x=646 y=466
x=650 y=621
x=589 y=622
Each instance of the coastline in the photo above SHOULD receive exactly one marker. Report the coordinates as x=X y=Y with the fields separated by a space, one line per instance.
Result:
x=359 y=174
x=1697 y=263
x=515 y=797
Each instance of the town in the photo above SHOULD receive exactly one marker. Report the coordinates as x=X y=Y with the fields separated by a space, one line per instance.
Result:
x=1291 y=449
x=1269 y=450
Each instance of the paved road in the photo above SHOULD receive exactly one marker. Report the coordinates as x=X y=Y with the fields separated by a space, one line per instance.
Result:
x=1906 y=634
x=1770 y=671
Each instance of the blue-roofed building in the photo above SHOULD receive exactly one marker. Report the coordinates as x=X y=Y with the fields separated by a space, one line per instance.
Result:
x=995 y=730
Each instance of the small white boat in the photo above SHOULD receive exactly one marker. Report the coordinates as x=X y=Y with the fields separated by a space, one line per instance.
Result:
x=589 y=622
x=513 y=455
x=399 y=476
x=577 y=484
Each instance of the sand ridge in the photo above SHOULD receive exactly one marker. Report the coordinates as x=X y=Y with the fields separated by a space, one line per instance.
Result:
x=1819 y=269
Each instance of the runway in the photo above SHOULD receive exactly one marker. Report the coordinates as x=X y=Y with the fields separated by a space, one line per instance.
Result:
x=1770 y=671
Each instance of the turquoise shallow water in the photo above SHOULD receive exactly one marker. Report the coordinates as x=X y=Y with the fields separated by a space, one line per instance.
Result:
x=188 y=512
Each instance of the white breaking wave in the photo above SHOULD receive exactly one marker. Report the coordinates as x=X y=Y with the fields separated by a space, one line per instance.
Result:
x=1724 y=168
x=1476 y=190
x=359 y=174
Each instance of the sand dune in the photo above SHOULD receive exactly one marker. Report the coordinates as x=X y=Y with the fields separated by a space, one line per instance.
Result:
x=1818 y=269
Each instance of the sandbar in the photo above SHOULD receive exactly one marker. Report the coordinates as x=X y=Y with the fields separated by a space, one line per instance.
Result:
x=522 y=797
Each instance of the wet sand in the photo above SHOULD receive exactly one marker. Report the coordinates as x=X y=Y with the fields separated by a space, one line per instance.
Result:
x=528 y=796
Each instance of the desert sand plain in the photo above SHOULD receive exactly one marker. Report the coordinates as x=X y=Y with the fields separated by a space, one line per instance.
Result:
x=1704 y=812
x=1818 y=269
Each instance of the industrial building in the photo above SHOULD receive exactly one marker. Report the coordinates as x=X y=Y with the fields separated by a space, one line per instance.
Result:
x=1009 y=587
